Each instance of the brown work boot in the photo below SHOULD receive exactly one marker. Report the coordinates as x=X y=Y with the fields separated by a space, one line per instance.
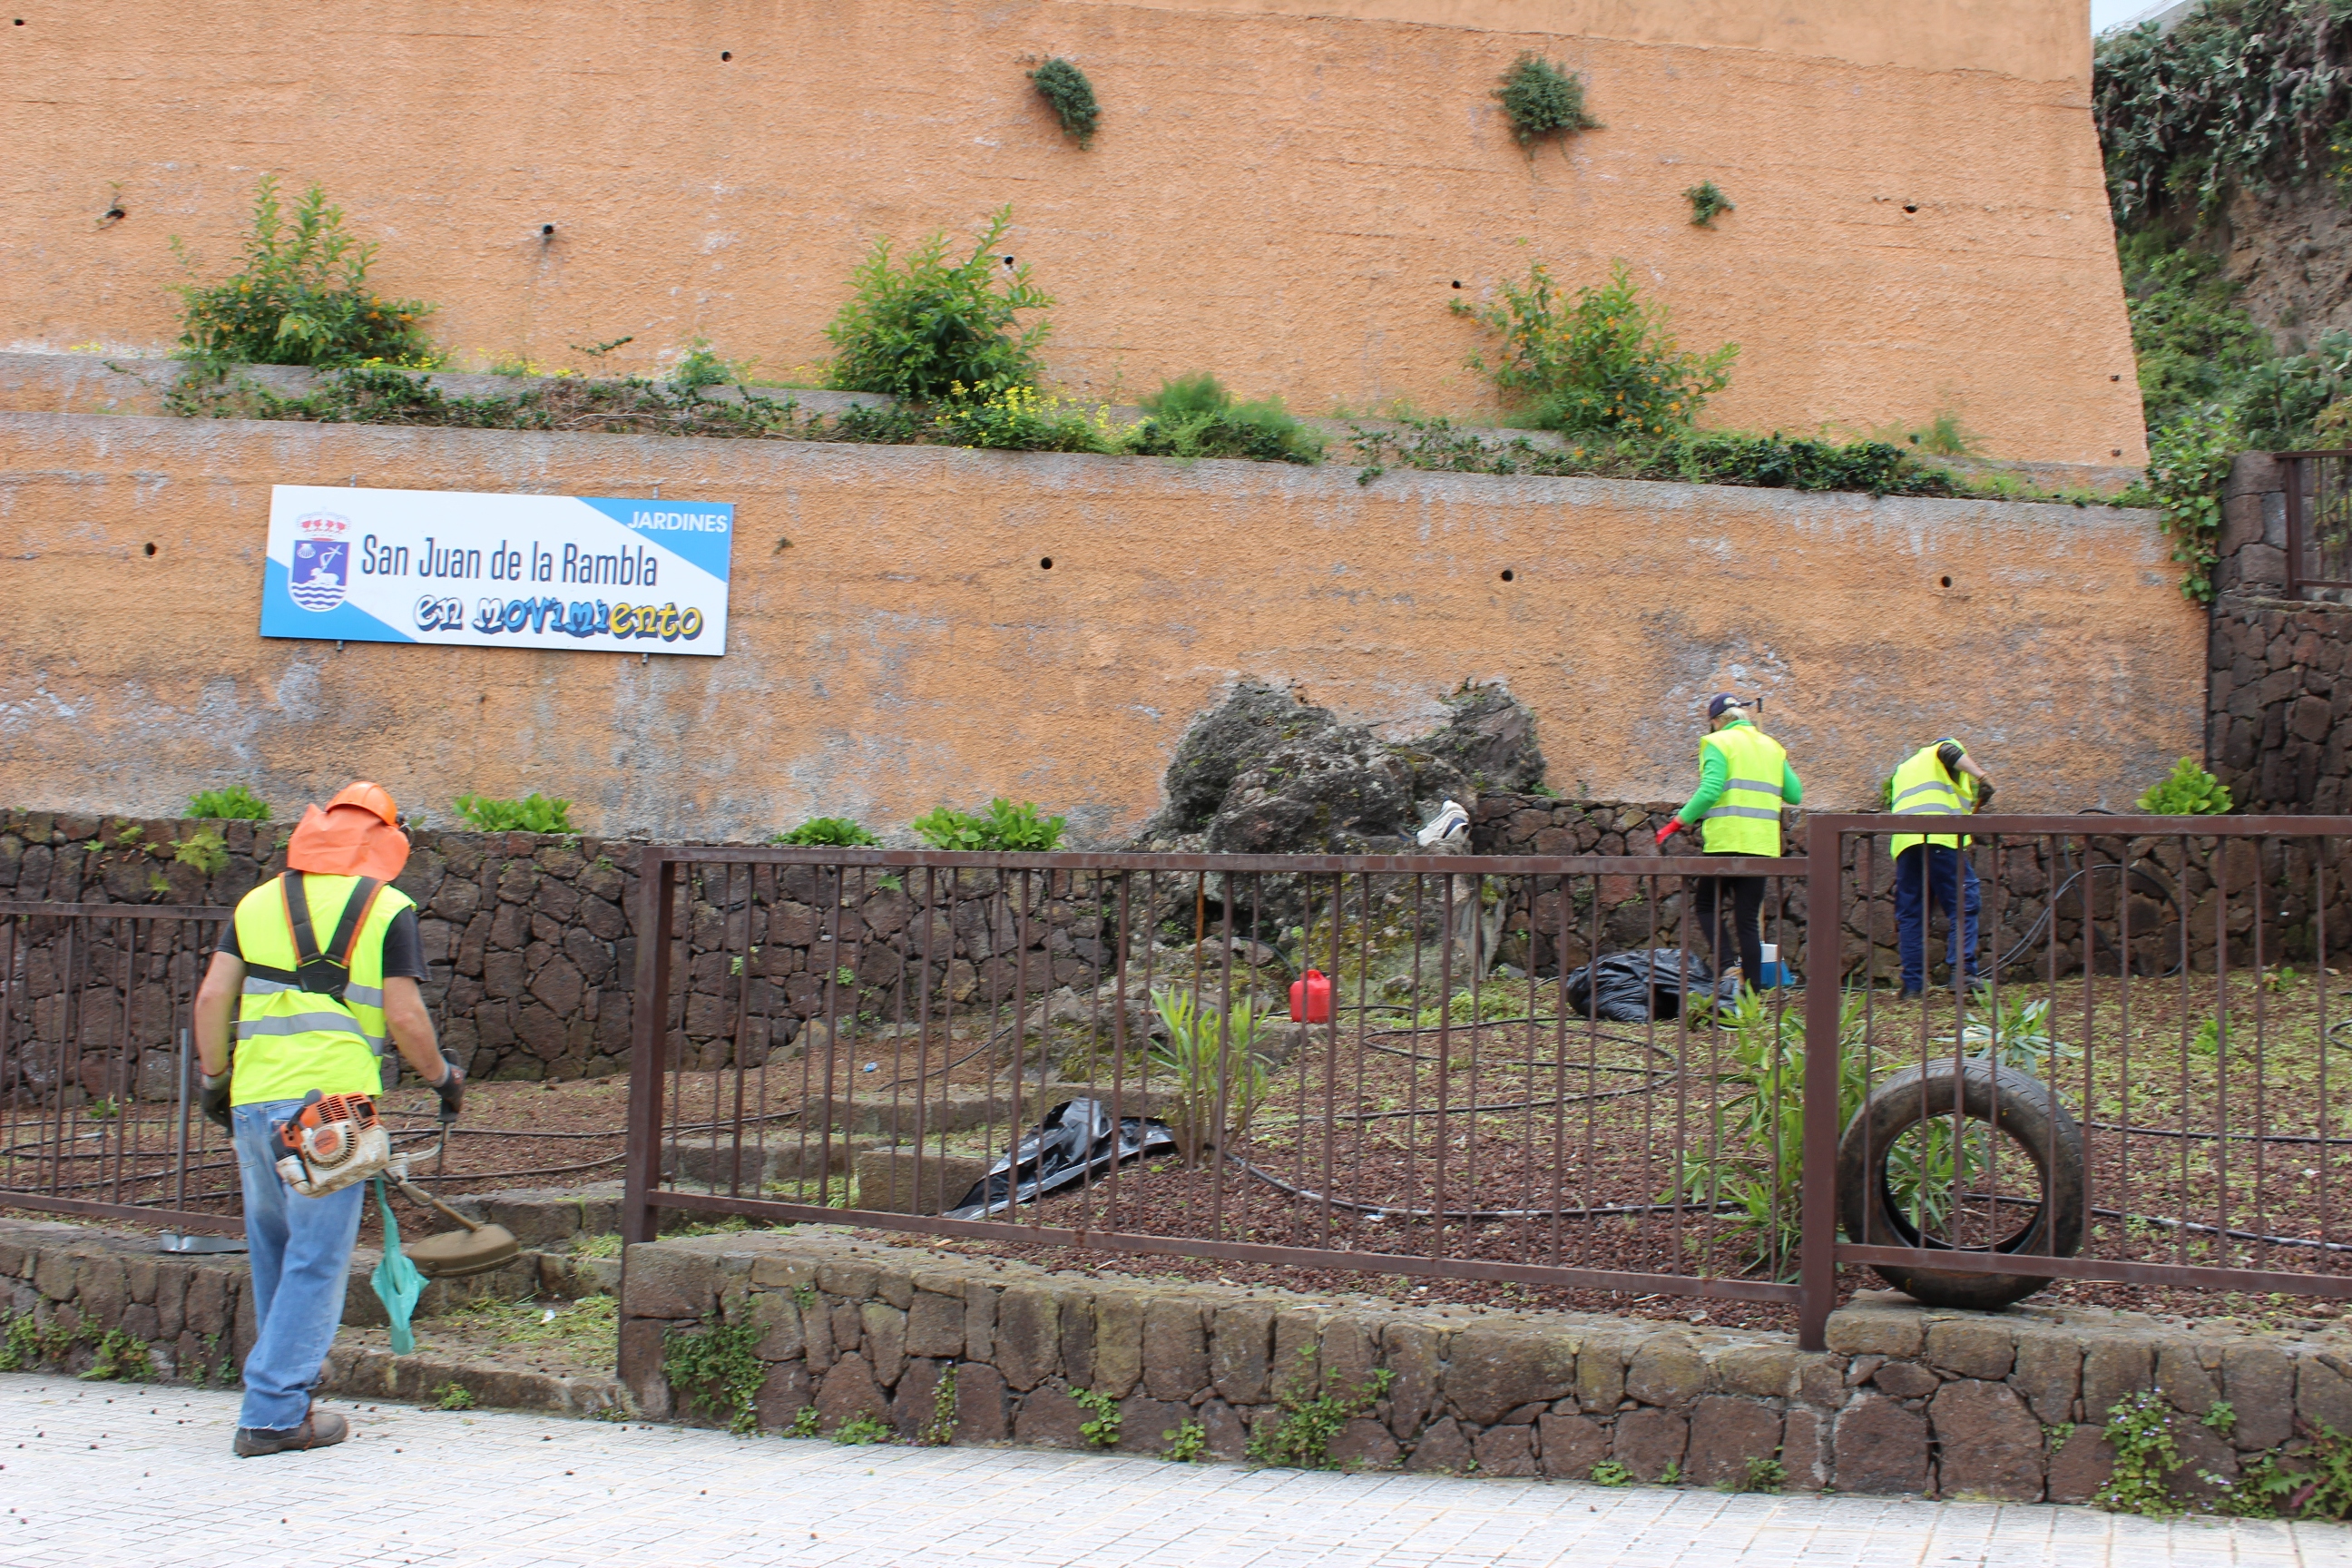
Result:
x=320 y=1429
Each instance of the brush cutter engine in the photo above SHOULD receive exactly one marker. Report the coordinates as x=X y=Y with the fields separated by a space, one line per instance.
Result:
x=333 y=1141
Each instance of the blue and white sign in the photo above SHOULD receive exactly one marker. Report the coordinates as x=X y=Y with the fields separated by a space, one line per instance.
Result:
x=596 y=574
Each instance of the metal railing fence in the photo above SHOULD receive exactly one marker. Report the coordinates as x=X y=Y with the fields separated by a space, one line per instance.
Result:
x=2318 y=520
x=97 y=1074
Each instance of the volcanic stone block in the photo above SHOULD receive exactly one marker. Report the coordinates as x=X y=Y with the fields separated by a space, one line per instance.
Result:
x=1988 y=1442
x=1028 y=1335
x=669 y=1281
x=900 y=1180
x=1415 y=1355
x=1570 y=1445
x=1877 y=1323
x=1972 y=1347
x=1050 y=1416
x=1118 y=1342
x=2259 y=1381
x=1904 y=1380
x=935 y=1325
x=778 y=1318
x=1601 y=1375
x=884 y=1337
x=2048 y=1376
x=1175 y=1349
x=1362 y=1444
x=2112 y=1366
x=1494 y=1368
x=1726 y=1432
x=1242 y=1350
x=1647 y=1441
x=849 y=1391
x=1805 y=1449
x=784 y=1394
x=980 y=1403
x=1881 y=1448
x=1504 y=1451
x=1445 y=1448
x=1668 y=1372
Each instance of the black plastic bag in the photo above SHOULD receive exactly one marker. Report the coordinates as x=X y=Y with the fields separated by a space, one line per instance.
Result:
x=1631 y=988
x=1075 y=1143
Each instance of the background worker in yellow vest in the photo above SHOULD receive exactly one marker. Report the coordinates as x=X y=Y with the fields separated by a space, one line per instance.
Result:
x=292 y=1036
x=1743 y=777
x=1939 y=780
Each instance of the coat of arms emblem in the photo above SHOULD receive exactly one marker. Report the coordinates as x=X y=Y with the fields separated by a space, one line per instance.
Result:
x=321 y=571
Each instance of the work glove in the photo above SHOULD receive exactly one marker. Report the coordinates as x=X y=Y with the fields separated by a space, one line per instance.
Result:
x=452 y=1089
x=1984 y=793
x=214 y=1101
x=1674 y=826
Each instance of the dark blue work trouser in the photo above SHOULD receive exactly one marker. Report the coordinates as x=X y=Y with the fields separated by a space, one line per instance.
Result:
x=1926 y=872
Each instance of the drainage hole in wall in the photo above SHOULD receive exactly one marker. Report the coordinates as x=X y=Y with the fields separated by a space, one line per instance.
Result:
x=151 y=550
x=1045 y=564
x=1509 y=575
x=1947 y=582
x=546 y=229
x=726 y=54
x=1910 y=206
x=1457 y=282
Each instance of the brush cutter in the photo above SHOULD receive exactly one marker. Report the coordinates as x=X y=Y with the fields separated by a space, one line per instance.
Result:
x=477 y=1249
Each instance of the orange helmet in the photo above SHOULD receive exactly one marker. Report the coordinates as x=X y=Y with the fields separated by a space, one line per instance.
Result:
x=371 y=798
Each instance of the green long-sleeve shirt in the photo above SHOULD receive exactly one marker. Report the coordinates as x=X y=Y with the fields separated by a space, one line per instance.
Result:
x=1713 y=772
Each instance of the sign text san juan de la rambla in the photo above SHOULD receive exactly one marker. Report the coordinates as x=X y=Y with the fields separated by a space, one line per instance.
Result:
x=602 y=574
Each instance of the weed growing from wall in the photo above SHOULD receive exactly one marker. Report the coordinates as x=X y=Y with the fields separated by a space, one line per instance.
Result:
x=1187 y=1441
x=1707 y=204
x=922 y=326
x=301 y=295
x=204 y=849
x=1066 y=90
x=1005 y=826
x=1101 y=1427
x=234 y=804
x=2186 y=791
x=700 y=368
x=1023 y=419
x=940 y=1431
x=828 y=830
x=1196 y=417
x=716 y=1366
x=1605 y=361
x=860 y=1430
x=2187 y=462
x=534 y=813
x=1540 y=99
x=1301 y=1437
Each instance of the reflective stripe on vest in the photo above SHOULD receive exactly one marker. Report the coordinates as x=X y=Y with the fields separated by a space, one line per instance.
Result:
x=290 y=1040
x=1923 y=786
x=1747 y=820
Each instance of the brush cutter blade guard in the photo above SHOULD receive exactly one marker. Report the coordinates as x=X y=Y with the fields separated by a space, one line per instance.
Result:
x=455 y=1254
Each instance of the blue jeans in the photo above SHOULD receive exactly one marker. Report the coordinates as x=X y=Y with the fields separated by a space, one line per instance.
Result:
x=301 y=1251
x=1931 y=871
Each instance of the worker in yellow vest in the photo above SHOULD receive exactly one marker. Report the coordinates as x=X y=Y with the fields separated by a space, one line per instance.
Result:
x=1744 y=779
x=1937 y=780
x=319 y=968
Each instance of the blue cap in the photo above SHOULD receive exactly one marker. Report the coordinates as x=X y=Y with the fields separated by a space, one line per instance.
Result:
x=1723 y=699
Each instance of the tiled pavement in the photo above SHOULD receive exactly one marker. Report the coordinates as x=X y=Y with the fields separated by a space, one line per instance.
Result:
x=94 y=1475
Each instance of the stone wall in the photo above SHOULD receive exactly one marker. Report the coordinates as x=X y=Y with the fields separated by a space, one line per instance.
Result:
x=1907 y=1400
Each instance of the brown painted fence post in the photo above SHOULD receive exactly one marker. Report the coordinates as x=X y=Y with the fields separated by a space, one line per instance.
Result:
x=1817 y=1215
x=648 y=1019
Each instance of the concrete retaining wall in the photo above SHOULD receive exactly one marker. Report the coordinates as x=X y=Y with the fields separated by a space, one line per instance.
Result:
x=1907 y=1400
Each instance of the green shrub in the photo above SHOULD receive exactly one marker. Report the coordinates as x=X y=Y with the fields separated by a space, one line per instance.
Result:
x=1708 y=202
x=1022 y=419
x=2187 y=463
x=2278 y=399
x=1540 y=99
x=2194 y=343
x=1214 y=1062
x=700 y=368
x=923 y=326
x=234 y=804
x=2186 y=791
x=302 y=296
x=1603 y=361
x=860 y=1430
x=828 y=830
x=716 y=1366
x=1006 y=827
x=204 y=849
x=532 y=813
x=1195 y=416
x=1066 y=89
x=1302 y=1435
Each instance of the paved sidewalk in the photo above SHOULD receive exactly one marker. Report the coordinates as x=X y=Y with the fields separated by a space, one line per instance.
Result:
x=93 y=1475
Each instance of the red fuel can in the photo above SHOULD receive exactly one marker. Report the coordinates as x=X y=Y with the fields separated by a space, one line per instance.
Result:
x=1310 y=998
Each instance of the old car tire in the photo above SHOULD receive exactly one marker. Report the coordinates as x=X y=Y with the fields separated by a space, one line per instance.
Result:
x=2017 y=1104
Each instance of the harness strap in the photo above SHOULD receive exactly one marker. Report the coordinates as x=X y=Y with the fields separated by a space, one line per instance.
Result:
x=325 y=973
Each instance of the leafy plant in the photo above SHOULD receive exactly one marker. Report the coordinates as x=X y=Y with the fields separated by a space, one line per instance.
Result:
x=204 y=849
x=1605 y=361
x=922 y=327
x=301 y=295
x=1672 y=1476
x=2188 y=461
x=1195 y=416
x=1022 y=419
x=804 y=1423
x=2019 y=1036
x=234 y=804
x=716 y=1366
x=2139 y=1430
x=860 y=1430
x=128 y=837
x=1006 y=827
x=1065 y=89
x=1763 y=1475
x=1492 y=1005
x=2186 y=791
x=940 y=1430
x=700 y=368
x=1187 y=1441
x=828 y=830
x=1102 y=1431
x=1301 y=1436
x=2195 y=344
x=1215 y=1062
x=1708 y=202
x=453 y=1396
x=1540 y=99
x=534 y=813
x=1609 y=1473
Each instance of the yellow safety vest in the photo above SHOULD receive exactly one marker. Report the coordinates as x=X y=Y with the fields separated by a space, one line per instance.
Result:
x=1747 y=820
x=1923 y=786
x=290 y=1040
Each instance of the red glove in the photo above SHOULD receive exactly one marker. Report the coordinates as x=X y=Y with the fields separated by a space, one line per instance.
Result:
x=1674 y=826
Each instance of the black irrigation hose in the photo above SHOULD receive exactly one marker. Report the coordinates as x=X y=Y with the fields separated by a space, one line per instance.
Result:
x=2040 y=925
x=2189 y=1225
x=1390 y=1211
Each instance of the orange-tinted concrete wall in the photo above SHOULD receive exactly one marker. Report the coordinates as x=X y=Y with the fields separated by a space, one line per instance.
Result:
x=1289 y=194
x=906 y=647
